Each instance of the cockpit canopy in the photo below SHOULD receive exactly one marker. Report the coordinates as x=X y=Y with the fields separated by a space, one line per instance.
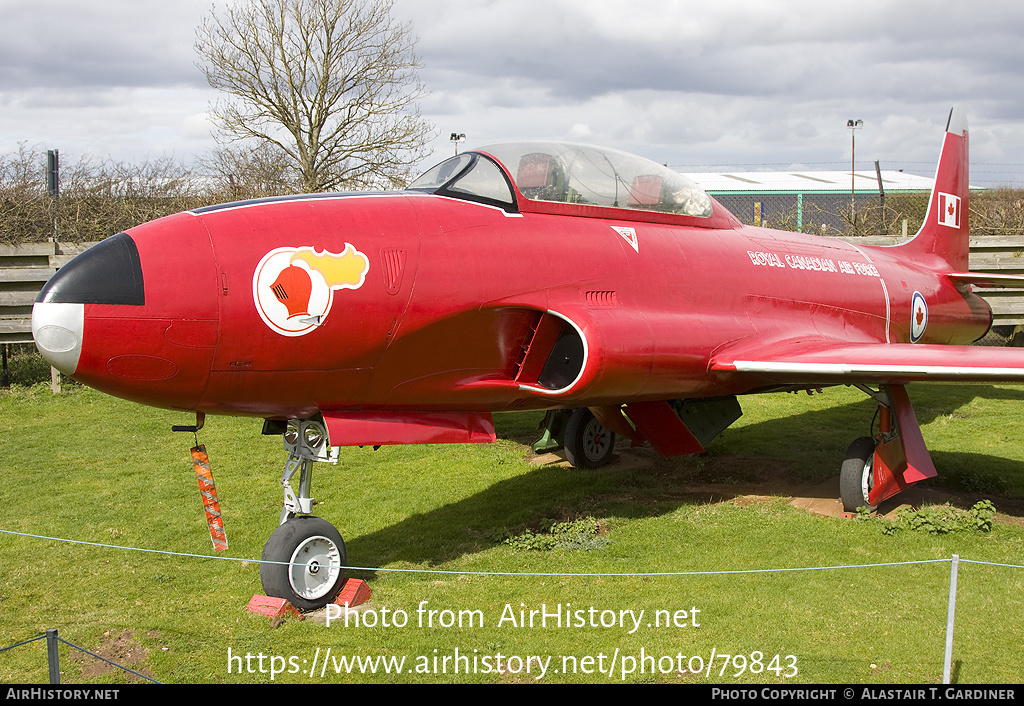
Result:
x=565 y=173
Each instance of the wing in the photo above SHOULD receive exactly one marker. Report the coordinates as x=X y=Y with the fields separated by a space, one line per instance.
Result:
x=868 y=363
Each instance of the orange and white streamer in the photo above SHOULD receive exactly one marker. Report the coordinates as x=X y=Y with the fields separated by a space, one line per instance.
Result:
x=204 y=474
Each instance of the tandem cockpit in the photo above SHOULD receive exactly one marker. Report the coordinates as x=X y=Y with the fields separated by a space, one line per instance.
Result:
x=565 y=178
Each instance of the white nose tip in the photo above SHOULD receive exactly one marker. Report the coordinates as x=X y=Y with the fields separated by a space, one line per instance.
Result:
x=57 y=330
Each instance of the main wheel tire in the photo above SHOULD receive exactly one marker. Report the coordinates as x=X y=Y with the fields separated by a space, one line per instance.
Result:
x=311 y=556
x=588 y=444
x=857 y=477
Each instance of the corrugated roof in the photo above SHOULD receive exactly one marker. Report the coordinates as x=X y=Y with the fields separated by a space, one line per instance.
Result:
x=804 y=181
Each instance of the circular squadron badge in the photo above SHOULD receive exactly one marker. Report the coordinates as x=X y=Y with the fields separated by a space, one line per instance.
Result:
x=293 y=288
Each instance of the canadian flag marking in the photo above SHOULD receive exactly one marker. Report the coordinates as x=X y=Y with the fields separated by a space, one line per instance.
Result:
x=949 y=210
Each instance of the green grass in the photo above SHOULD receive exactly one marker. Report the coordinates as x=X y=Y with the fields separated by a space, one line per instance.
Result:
x=88 y=467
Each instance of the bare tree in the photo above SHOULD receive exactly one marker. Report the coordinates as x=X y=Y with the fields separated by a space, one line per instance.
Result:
x=251 y=170
x=332 y=83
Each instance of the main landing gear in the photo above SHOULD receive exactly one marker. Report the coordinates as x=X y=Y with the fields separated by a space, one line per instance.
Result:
x=857 y=477
x=305 y=556
x=587 y=442
x=880 y=466
x=672 y=427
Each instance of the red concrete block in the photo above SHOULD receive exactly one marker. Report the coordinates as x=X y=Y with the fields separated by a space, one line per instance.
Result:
x=354 y=592
x=272 y=607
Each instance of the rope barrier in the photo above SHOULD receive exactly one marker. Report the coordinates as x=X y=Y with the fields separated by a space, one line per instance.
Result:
x=953 y=561
x=516 y=573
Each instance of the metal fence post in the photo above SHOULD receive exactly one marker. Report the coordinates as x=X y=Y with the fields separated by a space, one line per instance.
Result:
x=950 y=612
x=52 y=657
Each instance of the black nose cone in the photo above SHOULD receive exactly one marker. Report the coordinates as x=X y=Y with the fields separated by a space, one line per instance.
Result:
x=107 y=273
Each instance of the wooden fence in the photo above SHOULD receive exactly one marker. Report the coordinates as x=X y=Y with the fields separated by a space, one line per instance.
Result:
x=24 y=270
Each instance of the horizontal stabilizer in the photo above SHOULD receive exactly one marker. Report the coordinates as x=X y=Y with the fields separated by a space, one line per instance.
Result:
x=988 y=280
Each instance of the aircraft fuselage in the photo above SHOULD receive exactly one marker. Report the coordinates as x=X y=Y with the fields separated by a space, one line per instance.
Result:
x=449 y=302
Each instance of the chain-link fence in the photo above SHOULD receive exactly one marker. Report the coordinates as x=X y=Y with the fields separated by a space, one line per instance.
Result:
x=992 y=212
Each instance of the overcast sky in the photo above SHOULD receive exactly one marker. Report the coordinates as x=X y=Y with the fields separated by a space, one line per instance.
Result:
x=756 y=84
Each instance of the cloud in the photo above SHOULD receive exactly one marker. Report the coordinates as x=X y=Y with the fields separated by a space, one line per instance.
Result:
x=712 y=82
x=578 y=49
x=682 y=81
x=66 y=44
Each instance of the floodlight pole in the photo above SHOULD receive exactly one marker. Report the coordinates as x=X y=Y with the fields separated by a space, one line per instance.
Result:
x=456 y=138
x=853 y=125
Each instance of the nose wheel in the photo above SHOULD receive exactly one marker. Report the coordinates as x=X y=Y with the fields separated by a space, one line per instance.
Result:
x=309 y=559
x=305 y=556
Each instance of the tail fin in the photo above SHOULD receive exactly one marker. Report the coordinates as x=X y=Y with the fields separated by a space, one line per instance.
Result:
x=945 y=232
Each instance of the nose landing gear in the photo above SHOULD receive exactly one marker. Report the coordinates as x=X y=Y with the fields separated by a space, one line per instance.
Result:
x=304 y=558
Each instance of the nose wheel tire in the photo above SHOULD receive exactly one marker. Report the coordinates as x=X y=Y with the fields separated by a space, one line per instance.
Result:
x=311 y=559
x=588 y=444
x=857 y=478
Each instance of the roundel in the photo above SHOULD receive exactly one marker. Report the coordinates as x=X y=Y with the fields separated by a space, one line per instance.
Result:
x=918 y=317
x=293 y=288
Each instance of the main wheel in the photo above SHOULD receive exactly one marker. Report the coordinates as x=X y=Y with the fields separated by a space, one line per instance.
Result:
x=311 y=553
x=588 y=444
x=857 y=477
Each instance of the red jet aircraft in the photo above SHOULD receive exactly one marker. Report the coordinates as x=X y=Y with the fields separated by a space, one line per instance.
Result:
x=532 y=275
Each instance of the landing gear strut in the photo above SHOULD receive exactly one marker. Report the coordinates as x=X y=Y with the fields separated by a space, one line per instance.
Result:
x=305 y=556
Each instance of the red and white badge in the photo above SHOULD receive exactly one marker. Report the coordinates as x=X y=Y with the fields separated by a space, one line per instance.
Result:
x=629 y=235
x=918 y=317
x=949 y=210
x=293 y=288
